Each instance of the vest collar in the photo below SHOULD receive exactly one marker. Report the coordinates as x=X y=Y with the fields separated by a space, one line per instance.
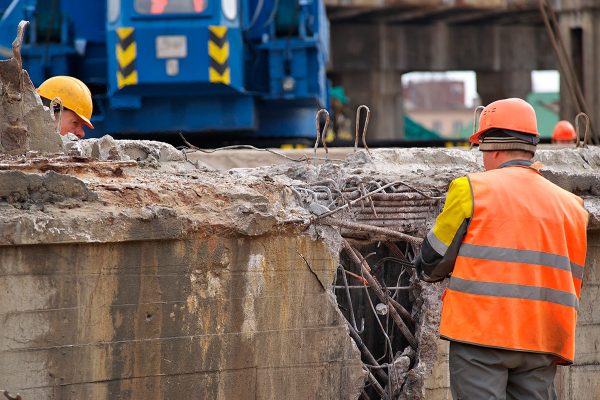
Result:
x=516 y=163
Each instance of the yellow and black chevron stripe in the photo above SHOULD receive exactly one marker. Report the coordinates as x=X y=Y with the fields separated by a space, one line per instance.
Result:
x=218 y=50
x=126 y=57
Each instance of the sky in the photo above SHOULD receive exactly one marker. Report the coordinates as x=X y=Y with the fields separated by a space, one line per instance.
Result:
x=542 y=81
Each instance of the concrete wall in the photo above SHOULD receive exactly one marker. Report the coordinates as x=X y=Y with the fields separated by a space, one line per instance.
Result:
x=206 y=318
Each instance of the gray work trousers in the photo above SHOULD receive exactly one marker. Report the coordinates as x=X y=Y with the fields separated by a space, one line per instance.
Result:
x=483 y=373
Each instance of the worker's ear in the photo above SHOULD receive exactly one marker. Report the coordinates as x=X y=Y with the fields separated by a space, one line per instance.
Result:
x=495 y=154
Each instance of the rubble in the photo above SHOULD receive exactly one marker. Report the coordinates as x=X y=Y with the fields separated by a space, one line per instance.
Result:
x=24 y=124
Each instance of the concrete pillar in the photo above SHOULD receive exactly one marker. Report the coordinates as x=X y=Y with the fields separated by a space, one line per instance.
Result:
x=381 y=91
x=580 y=33
x=495 y=85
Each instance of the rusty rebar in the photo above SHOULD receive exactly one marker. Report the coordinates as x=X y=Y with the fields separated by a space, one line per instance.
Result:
x=374 y=229
x=350 y=203
x=11 y=397
x=390 y=217
x=403 y=312
x=367 y=286
x=365 y=126
x=380 y=391
x=348 y=298
x=321 y=134
x=586 y=137
x=366 y=352
x=397 y=210
x=376 y=287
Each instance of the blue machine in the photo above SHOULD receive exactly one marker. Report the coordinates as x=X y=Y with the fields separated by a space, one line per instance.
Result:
x=255 y=67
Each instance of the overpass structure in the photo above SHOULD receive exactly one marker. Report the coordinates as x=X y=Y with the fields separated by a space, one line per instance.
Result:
x=375 y=42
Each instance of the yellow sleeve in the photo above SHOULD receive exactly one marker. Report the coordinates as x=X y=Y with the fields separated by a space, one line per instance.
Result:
x=458 y=207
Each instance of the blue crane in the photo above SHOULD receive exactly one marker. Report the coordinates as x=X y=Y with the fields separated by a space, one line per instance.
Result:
x=200 y=67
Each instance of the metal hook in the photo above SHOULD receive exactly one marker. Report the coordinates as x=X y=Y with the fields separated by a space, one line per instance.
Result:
x=364 y=132
x=476 y=115
x=586 y=137
x=11 y=397
x=321 y=134
x=57 y=101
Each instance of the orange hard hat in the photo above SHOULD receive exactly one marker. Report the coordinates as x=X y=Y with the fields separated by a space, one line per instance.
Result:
x=564 y=131
x=510 y=114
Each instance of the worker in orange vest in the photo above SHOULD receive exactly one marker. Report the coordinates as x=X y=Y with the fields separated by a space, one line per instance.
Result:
x=564 y=133
x=514 y=244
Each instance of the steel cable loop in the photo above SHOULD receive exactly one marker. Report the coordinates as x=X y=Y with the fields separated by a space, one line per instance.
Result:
x=586 y=137
x=365 y=126
x=321 y=133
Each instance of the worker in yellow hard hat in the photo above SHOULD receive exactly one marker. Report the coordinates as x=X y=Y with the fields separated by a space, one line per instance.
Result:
x=564 y=133
x=76 y=100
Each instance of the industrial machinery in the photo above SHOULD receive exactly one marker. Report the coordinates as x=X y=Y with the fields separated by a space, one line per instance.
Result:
x=200 y=67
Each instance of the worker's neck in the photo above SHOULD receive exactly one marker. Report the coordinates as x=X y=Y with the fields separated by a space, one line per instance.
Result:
x=495 y=159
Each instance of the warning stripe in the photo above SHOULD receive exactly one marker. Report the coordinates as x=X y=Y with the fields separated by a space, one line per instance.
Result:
x=126 y=51
x=218 y=51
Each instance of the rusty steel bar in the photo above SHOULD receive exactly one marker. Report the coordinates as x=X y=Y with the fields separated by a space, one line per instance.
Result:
x=348 y=297
x=380 y=391
x=403 y=312
x=395 y=250
x=387 y=224
x=374 y=229
x=362 y=215
x=405 y=203
x=397 y=210
x=362 y=238
x=367 y=286
x=366 y=353
x=364 y=266
x=350 y=203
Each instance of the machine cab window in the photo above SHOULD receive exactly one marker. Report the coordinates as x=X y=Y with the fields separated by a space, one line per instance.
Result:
x=161 y=7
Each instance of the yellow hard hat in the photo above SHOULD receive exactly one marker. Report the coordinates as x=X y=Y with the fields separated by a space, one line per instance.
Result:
x=73 y=93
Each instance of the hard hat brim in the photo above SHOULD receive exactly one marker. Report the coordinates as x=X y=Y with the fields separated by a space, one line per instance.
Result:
x=86 y=122
x=477 y=135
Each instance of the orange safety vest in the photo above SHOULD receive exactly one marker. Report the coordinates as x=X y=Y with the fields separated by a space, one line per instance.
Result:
x=517 y=278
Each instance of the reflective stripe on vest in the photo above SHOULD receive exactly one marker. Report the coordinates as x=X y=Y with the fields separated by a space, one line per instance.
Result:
x=517 y=277
x=514 y=291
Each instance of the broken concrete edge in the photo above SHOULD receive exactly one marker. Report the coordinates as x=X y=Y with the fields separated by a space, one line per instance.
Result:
x=574 y=170
x=25 y=124
x=151 y=223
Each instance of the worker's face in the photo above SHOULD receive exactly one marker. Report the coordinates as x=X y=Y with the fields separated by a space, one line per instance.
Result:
x=71 y=123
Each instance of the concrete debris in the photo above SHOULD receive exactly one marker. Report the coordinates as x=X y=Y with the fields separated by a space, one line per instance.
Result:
x=23 y=190
x=232 y=274
x=24 y=124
